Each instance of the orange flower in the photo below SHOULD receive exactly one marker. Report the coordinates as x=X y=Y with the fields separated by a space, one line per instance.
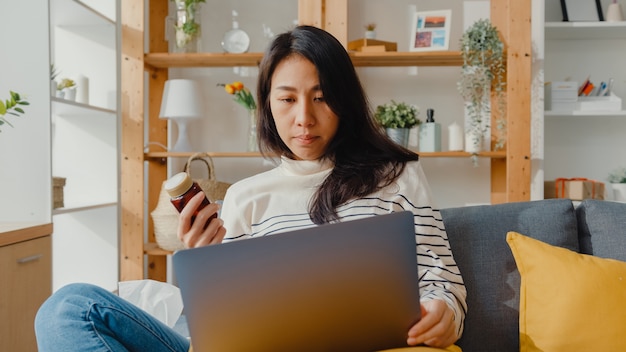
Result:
x=243 y=96
x=230 y=89
x=238 y=85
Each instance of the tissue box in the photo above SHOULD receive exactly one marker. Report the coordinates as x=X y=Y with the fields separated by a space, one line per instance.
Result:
x=603 y=103
x=574 y=189
x=561 y=95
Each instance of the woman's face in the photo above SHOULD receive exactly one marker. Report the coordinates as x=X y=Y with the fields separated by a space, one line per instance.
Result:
x=304 y=121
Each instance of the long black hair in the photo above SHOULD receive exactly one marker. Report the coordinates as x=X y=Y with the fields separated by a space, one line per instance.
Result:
x=365 y=160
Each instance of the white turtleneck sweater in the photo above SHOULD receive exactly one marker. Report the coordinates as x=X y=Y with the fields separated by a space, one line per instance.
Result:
x=277 y=201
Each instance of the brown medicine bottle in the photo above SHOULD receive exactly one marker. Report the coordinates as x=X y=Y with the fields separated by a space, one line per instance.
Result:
x=181 y=189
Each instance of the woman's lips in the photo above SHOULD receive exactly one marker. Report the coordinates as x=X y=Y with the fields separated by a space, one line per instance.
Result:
x=306 y=139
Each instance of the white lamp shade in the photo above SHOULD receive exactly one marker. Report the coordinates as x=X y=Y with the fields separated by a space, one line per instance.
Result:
x=181 y=99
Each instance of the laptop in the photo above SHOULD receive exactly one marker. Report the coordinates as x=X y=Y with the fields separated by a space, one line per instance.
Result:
x=349 y=286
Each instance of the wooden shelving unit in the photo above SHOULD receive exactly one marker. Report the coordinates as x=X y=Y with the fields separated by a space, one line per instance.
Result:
x=510 y=169
x=362 y=59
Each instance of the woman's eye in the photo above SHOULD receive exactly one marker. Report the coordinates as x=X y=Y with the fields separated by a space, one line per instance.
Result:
x=286 y=100
x=318 y=98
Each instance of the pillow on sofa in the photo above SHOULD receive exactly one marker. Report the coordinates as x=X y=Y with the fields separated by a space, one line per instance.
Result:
x=602 y=228
x=568 y=301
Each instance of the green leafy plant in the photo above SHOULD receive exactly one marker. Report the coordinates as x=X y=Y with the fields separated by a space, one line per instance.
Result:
x=370 y=26
x=66 y=83
x=187 y=28
x=483 y=73
x=397 y=115
x=11 y=106
x=617 y=175
x=54 y=72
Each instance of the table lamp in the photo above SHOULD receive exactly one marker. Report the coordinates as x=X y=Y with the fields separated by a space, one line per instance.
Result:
x=181 y=103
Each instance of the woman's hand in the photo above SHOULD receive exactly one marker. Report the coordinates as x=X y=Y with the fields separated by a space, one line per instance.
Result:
x=436 y=328
x=200 y=233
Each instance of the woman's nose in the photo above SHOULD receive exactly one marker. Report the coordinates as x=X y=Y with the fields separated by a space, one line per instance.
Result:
x=304 y=114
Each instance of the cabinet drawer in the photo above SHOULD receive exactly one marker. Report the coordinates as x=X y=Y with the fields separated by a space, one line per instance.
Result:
x=25 y=269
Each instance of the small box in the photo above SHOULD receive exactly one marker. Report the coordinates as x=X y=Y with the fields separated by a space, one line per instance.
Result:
x=57 y=192
x=372 y=45
x=603 y=103
x=574 y=189
x=561 y=96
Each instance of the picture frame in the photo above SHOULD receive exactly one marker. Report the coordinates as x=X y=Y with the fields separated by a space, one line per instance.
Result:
x=582 y=10
x=430 y=30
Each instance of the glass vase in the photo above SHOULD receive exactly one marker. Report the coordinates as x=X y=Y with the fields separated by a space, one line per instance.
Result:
x=187 y=27
x=253 y=146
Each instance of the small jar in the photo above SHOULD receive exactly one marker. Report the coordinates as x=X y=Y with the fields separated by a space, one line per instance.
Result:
x=181 y=189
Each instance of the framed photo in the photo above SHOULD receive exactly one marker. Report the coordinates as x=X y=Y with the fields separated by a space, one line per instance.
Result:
x=581 y=10
x=430 y=31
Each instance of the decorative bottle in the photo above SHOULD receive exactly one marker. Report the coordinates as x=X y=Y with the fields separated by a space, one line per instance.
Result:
x=430 y=134
x=181 y=189
x=236 y=40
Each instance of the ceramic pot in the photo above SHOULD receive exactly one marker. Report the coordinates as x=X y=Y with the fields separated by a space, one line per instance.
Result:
x=399 y=135
x=619 y=191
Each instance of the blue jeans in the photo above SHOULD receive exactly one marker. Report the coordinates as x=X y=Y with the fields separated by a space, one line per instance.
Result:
x=84 y=317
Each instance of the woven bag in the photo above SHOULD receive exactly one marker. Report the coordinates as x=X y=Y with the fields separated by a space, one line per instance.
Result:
x=165 y=216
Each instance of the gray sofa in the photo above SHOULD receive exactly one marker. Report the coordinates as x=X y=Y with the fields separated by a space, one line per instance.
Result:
x=477 y=237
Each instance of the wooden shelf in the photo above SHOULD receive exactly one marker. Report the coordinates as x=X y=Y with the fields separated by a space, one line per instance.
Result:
x=433 y=58
x=501 y=154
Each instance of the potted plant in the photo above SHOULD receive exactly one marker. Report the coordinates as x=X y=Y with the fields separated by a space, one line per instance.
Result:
x=187 y=26
x=617 y=179
x=67 y=89
x=11 y=106
x=482 y=74
x=397 y=118
x=370 y=31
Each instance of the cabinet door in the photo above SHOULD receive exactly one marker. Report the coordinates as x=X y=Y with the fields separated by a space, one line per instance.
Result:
x=25 y=268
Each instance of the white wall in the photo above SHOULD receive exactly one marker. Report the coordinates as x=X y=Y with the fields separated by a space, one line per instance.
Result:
x=455 y=182
x=25 y=176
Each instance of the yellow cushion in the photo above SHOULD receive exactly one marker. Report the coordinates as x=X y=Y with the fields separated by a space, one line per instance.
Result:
x=568 y=301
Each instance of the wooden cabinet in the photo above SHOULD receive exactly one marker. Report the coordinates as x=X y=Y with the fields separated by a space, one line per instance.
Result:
x=26 y=272
x=83 y=44
x=510 y=169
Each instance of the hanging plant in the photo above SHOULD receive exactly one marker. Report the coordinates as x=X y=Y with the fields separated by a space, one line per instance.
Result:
x=483 y=73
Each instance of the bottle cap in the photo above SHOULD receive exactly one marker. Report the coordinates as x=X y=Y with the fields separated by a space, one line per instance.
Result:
x=178 y=184
x=430 y=113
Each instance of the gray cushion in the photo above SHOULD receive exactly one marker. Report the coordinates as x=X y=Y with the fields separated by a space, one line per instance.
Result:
x=607 y=222
x=477 y=236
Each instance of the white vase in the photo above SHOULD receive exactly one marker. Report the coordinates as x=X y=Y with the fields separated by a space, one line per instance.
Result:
x=70 y=93
x=614 y=13
x=370 y=34
x=253 y=145
x=473 y=142
x=619 y=191
x=53 y=88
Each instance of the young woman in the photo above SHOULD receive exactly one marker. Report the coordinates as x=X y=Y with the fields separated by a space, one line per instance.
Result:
x=336 y=165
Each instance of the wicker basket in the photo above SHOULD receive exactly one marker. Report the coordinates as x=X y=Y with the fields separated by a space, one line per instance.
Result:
x=57 y=192
x=165 y=216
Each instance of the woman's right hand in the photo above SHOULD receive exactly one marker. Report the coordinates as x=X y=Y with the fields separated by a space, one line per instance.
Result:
x=200 y=233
